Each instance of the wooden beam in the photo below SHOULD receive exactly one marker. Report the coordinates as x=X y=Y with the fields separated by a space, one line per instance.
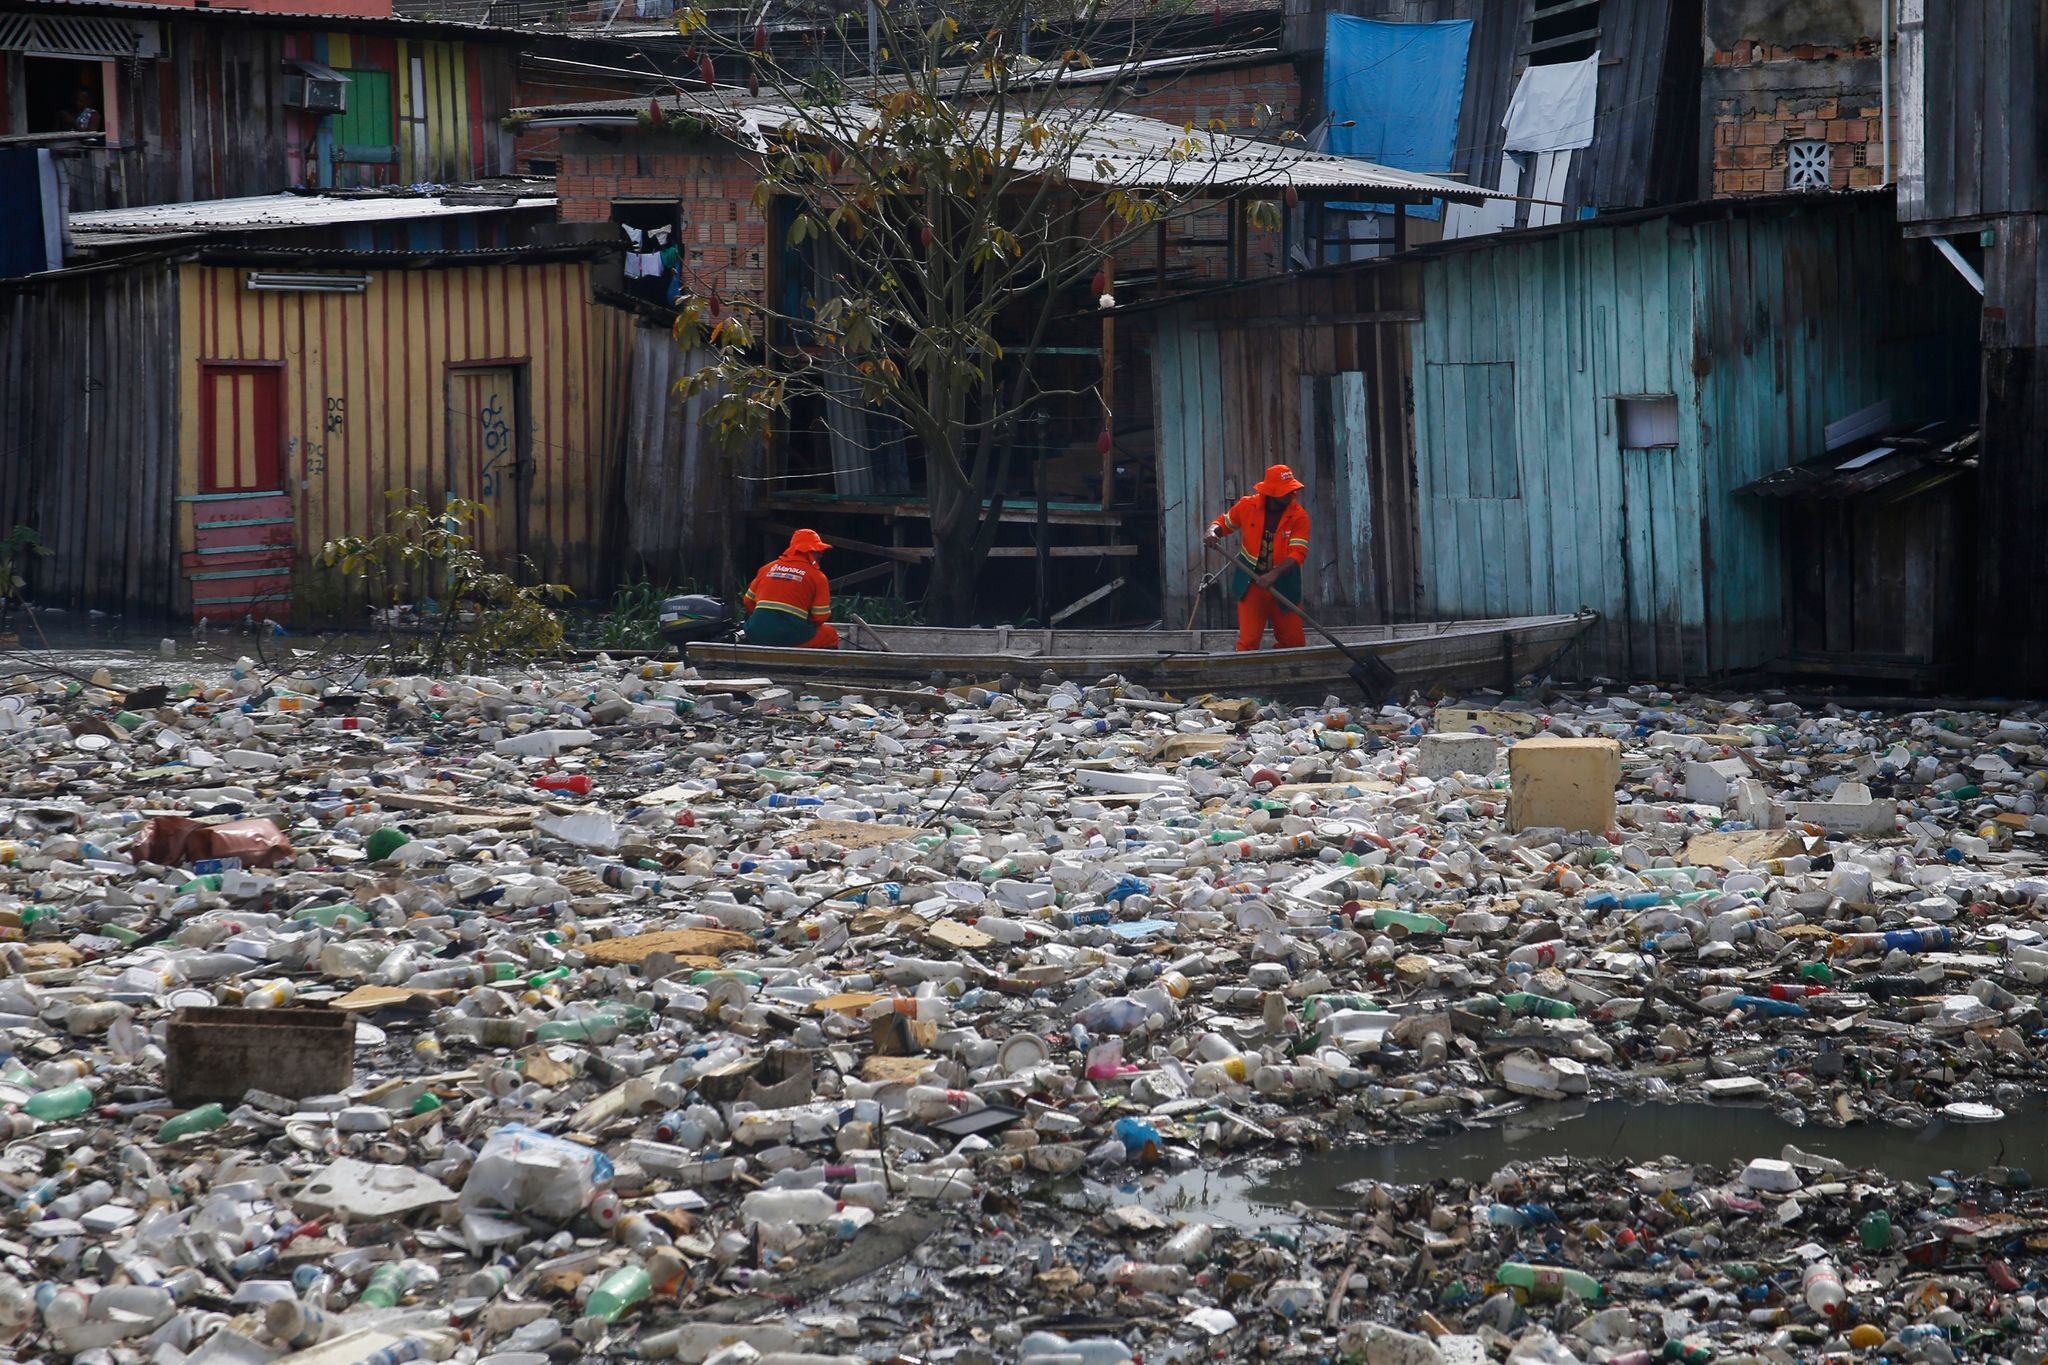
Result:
x=1013 y=511
x=859 y=576
x=1108 y=393
x=918 y=554
x=907 y=554
x=1081 y=604
x=1397 y=315
x=1061 y=551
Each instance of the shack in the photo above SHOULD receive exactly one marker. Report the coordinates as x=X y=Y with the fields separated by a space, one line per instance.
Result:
x=192 y=422
x=1561 y=417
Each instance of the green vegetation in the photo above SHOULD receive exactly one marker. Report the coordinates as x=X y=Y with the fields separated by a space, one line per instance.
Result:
x=429 y=549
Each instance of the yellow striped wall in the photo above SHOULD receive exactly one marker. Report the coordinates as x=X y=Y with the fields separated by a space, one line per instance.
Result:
x=366 y=396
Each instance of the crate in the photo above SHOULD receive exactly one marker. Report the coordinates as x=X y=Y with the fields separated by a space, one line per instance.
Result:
x=219 y=1053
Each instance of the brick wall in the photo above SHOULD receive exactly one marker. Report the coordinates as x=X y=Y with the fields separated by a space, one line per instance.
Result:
x=724 y=235
x=1764 y=97
x=1240 y=96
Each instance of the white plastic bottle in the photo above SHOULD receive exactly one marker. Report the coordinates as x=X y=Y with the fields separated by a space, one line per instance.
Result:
x=801 y=1208
x=1822 y=1286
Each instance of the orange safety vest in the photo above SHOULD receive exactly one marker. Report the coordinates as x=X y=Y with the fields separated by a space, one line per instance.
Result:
x=1247 y=517
x=792 y=585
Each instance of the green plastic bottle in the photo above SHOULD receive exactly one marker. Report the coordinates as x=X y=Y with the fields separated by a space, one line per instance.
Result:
x=204 y=1119
x=66 y=1101
x=1875 y=1230
x=384 y=842
x=617 y=1292
x=601 y=1027
x=387 y=1286
x=1541 y=1006
x=1408 y=921
x=338 y=915
x=1548 y=1282
x=546 y=978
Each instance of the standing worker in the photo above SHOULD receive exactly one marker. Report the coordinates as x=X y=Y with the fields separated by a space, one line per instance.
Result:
x=1272 y=530
x=790 y=603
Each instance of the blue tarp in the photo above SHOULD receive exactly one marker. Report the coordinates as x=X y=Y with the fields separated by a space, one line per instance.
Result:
x=1400 y=87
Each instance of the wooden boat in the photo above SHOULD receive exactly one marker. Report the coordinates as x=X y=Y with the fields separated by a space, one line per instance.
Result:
x=1425 y=655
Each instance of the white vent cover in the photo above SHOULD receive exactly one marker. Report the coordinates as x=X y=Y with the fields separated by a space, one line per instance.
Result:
x=71 y=35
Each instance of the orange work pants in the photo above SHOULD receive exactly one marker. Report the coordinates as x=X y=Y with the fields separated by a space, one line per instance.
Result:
x=1256 y=610
x=828 y=638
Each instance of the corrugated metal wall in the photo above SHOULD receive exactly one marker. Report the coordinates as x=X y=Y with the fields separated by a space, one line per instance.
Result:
x=682 y=504
x=367 y=384
x=88 y=453
x=1312 y=372
x=1764 y=326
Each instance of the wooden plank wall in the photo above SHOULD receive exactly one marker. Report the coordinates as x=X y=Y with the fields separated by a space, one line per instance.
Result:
x=1764 y=325
x=1645 y=147
x=209 y=119
x=366 y=395
x=1231 y=399
x=2013 y=478
x=1984 y=151
x=681 y=503
x=89 y=453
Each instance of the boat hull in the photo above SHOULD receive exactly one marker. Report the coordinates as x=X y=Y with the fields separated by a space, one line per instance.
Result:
x=1423 y=655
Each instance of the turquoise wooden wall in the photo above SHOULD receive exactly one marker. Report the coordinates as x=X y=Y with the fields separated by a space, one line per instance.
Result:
x=1764 y=322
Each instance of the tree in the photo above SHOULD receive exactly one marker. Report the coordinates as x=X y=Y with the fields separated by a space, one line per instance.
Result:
x=971 y=197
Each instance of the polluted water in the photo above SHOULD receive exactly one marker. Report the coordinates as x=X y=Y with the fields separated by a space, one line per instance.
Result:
x=606 y=1011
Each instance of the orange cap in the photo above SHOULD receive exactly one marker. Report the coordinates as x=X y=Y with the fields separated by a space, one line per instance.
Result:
x=1279 y=482
x=807 y=542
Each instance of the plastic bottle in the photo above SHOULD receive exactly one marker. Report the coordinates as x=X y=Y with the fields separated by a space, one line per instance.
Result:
x=1407 y=921
x=204 y=1119
x=299 y=1326
x=1821 y=1286
x=1540 y=1006
x=1051 y=1346
x=577 y=784
x=1151 y=1278
x=66 y=1101
x=800 y=1208
x=487 y=1283
x=1189 y=1246
x=399 y=1352
x=388 y=1283
x=1548 y=1282
x=616 y=1293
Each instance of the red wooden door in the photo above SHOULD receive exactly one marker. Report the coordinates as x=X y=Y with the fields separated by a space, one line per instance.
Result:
x=241 y=559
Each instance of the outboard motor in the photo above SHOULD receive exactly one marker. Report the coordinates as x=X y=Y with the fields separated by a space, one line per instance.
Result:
x=695 y=618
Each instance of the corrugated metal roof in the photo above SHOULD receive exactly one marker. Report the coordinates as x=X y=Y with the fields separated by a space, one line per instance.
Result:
x=265 y=212
x=1128 y=151
x=393 y=22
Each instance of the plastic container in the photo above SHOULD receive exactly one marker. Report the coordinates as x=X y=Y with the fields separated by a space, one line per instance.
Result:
x=1821 y=1287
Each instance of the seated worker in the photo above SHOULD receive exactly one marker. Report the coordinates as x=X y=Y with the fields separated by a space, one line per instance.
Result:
x=1272 y=530
x=790 y=601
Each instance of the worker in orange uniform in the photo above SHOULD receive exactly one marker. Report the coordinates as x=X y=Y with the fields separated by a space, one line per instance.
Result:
x=1272 y=530
x=790 y=603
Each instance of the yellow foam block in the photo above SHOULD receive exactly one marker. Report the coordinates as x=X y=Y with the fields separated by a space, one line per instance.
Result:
x=1560 y=783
